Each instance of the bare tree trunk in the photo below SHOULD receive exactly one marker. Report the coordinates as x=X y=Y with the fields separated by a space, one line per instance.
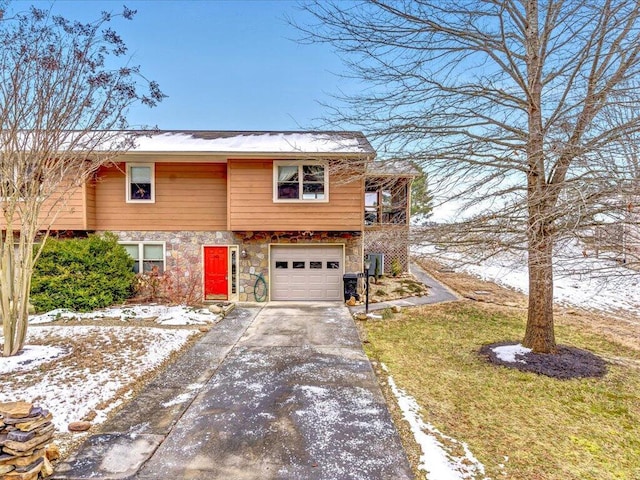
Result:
x=6 y=262
x=539 y=334
x=15 y=286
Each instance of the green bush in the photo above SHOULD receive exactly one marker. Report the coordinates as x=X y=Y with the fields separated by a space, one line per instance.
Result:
x=396 y=268
x=82 y=274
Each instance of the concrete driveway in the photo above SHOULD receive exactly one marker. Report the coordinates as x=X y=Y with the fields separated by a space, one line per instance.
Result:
x=294 y=397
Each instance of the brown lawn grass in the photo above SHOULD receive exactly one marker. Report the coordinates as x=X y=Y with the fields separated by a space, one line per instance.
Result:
x=537 y=427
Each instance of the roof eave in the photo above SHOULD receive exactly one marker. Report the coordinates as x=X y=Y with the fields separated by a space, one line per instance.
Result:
x=254 y=154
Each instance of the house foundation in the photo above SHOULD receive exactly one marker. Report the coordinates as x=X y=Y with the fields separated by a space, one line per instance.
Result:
x=248 y=253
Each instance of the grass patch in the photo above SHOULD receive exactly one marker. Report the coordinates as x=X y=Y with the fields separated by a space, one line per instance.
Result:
x=548 y=428
x=413 y=286
x=387 y=314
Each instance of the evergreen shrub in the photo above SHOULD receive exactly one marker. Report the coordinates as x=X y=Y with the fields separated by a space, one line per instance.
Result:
x=82 y=274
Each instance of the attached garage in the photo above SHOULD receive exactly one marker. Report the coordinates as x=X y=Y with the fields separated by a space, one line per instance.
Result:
x=306 y=272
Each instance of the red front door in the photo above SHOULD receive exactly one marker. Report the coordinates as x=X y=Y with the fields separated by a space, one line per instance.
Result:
x=216 y=278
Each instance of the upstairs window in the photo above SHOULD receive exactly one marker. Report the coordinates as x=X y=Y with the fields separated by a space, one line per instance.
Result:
x=300 y=182
x=21 y=182
x=140 y=182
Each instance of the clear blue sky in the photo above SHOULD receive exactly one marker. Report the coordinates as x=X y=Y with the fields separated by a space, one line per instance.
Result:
x=224 y=64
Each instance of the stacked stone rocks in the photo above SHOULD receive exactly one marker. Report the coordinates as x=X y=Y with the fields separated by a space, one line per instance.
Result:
x=25 y=431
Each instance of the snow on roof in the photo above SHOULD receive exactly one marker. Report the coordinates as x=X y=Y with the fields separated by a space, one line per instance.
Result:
x=332 y=143
x=392 y=167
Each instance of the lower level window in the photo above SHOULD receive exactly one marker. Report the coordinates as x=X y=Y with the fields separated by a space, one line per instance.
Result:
x=148 y=256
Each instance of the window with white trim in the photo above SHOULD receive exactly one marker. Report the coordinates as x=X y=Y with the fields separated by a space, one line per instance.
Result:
x=141 y=182
x=300 y=182
x=22 y=182
x=149 y=257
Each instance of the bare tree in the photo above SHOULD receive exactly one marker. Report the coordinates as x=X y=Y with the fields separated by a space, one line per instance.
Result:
x=63 y=105
x=517 y=109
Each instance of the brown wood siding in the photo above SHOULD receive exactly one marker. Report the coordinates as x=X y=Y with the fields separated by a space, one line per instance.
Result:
x=251 y=205
x=188 y=196
x=61 y=211
x=90 y=200
x=68 y=212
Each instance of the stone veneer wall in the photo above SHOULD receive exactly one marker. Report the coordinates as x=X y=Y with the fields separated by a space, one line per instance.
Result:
x=393 y=243
x=184 y=250
x=256 y=244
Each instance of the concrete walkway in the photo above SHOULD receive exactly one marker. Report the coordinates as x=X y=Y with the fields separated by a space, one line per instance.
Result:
x=282 y=392
x=438 y=293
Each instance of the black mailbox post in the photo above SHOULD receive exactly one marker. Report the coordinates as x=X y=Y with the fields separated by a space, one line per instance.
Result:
x=350 y=281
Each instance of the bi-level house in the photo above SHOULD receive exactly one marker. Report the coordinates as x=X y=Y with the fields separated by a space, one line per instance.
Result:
x=294 y=207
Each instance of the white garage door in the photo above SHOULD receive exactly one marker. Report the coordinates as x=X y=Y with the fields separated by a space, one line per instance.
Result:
x=306 y=272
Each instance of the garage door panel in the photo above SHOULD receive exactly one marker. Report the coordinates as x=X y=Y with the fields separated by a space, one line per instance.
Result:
x=306 y=272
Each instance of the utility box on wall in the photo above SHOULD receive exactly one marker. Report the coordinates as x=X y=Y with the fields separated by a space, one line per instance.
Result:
x=377 y=264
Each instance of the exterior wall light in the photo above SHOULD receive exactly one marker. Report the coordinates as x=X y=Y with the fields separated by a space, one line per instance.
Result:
x=243 y=253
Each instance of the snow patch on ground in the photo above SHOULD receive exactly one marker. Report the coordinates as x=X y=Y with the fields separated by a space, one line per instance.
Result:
x=509 y=353
x=582 y=281
x=71 y=392
x=30 y=358
x=312 y=390
x=176 y=315
x=436 y=459
x=183 y=397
